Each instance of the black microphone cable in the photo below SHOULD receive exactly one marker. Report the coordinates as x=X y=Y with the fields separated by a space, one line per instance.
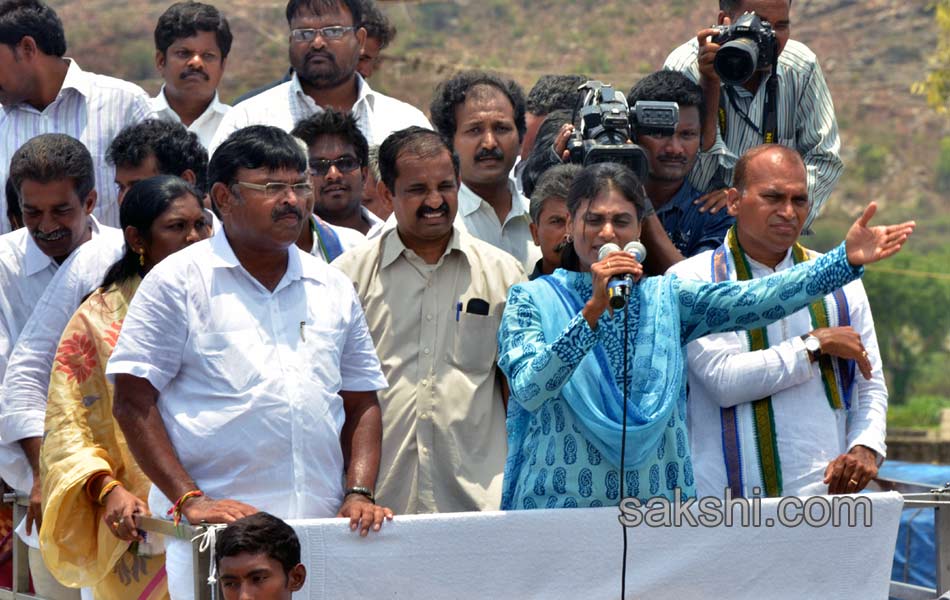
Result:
x=623 y=442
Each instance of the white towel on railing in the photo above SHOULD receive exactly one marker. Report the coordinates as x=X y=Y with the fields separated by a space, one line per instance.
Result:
x=576 y=553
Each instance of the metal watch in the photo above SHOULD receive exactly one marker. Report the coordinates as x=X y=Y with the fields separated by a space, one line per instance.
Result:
x=812 y=347
x=362 y=491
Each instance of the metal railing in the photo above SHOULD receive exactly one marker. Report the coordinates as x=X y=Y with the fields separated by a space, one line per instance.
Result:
x=916 y=496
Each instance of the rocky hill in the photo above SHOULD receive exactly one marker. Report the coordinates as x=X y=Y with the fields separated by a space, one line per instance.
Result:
x=871 y=52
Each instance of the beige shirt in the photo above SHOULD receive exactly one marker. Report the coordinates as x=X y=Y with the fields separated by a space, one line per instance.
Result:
x=444 y=441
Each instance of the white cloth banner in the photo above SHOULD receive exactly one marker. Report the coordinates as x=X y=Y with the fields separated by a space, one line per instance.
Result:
x=576 y=553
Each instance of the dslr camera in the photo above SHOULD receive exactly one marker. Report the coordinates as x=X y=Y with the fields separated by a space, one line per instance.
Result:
x=746 y=46
x=604 y=126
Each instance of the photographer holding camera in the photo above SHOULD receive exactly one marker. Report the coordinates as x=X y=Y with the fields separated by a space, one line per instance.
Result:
x=760 y=87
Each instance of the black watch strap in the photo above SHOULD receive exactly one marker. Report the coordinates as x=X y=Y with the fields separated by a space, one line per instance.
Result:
x=362 y=491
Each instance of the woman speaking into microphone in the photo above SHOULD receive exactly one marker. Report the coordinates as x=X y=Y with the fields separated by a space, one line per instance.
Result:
x=595 y=389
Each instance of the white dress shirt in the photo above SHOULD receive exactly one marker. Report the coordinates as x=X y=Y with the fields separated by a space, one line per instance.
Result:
x=249 y=379
x=478 y=218
x=89 y=107
x=23 y=410
x=349 y=238
x=723 y=372
x=806 y=120
x=283 y=106
x=25 y=273
x=204 y=126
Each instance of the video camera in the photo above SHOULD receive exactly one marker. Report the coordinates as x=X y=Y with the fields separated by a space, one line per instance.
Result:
x=604 y=126
x=747 y=46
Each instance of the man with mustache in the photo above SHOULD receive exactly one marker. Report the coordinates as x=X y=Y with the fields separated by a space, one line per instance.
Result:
x=245 y=377
x=691 y=229
x=339 y=157
x=325 y=44
x=54 y=178
x=798 y=408
x=433 y=297
x=192 y=42
x=484 y=118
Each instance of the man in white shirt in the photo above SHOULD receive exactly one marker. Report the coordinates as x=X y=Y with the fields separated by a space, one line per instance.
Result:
x=339 y=158
x=245 y=376
x=433 y=297
x=54 y=177
x=800 y=407
x=43 y=92
x=325 y=46
x=152 y=147
x=192 y=42
x=736 y=114
x=484 y=117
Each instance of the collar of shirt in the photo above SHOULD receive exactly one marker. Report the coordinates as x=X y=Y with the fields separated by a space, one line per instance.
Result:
x=35 y=260
x=470 y=202
x=160 y=104
x=76 y=79
x=393 y=248
x=364 y=94
x=761 y=270
x=681 y=201
x=222 y=256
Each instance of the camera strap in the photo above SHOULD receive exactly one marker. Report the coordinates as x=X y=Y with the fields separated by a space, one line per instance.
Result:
x=769 y=128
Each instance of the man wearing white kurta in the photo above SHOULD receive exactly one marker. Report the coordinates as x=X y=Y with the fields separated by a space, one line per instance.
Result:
x=245 y=374
x=827 y=439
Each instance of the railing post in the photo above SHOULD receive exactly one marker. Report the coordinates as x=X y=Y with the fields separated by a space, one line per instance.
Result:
x=942 y=543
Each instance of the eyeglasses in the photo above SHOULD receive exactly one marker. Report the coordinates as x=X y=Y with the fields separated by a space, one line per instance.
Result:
x=275 y=189
x=334 y=32
x=321 y=166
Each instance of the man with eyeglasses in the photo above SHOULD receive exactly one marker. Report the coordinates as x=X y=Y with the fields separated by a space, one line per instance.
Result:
x=245 y=375
x=325 y=47
x=339 y=155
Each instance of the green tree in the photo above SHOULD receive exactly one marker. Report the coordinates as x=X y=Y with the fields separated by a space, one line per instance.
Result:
x=909 y=295
x=936 y=87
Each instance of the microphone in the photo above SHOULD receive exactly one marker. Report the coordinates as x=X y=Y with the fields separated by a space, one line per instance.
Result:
x=619 y=286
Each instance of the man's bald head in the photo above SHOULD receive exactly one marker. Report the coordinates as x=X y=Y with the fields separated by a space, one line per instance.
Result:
x=763 y=157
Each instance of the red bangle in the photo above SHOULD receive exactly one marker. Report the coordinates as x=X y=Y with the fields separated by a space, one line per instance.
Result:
x=176 y=509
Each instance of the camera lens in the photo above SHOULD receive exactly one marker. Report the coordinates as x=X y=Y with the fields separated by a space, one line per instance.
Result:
x=736 y=60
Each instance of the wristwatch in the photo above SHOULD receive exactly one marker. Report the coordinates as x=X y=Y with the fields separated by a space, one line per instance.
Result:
x=362 y=491
x=812 y=347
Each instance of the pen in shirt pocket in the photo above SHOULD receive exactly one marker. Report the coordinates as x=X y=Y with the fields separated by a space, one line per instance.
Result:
x=302 y=337
x=458 y=311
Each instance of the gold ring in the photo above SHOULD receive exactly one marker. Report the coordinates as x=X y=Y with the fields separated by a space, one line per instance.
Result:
x=608 y=263
x=853 y=482
x=864 y=354
x=115 y=524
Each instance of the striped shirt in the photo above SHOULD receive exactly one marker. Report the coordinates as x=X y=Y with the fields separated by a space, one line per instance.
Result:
x=89 y=107
x=806 y=120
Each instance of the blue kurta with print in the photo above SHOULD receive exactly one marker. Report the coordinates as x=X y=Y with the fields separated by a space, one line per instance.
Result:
x=558 y=457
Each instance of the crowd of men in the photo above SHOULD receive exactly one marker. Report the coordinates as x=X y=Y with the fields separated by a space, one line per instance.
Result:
x=251 y=375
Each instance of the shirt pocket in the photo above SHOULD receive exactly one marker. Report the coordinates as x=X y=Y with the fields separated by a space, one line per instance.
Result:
x=234 y=358
x=321 y=353
x=475 y=346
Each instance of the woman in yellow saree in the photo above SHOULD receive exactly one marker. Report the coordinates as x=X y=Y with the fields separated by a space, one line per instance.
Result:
x=92 y=486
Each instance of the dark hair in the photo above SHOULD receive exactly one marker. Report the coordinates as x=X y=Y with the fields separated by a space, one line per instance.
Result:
x=175 y=149
x=260 y=533
x=553 y=92
x=145 y=202
x=332 y=122
x=53 y=157
x=555 y=183
x=741 y=173
x=376 y=24
x=542 y=157
x=14 y=212
x=254 y=147
x=414 y=140
x=590 y=183
x=669 y=86
x=186 y=19
x=453 y=92
x=21 y=18
x=731 y=6
x=320 y=7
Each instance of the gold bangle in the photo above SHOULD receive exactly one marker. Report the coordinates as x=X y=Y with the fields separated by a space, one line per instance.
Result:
x=106 y=489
